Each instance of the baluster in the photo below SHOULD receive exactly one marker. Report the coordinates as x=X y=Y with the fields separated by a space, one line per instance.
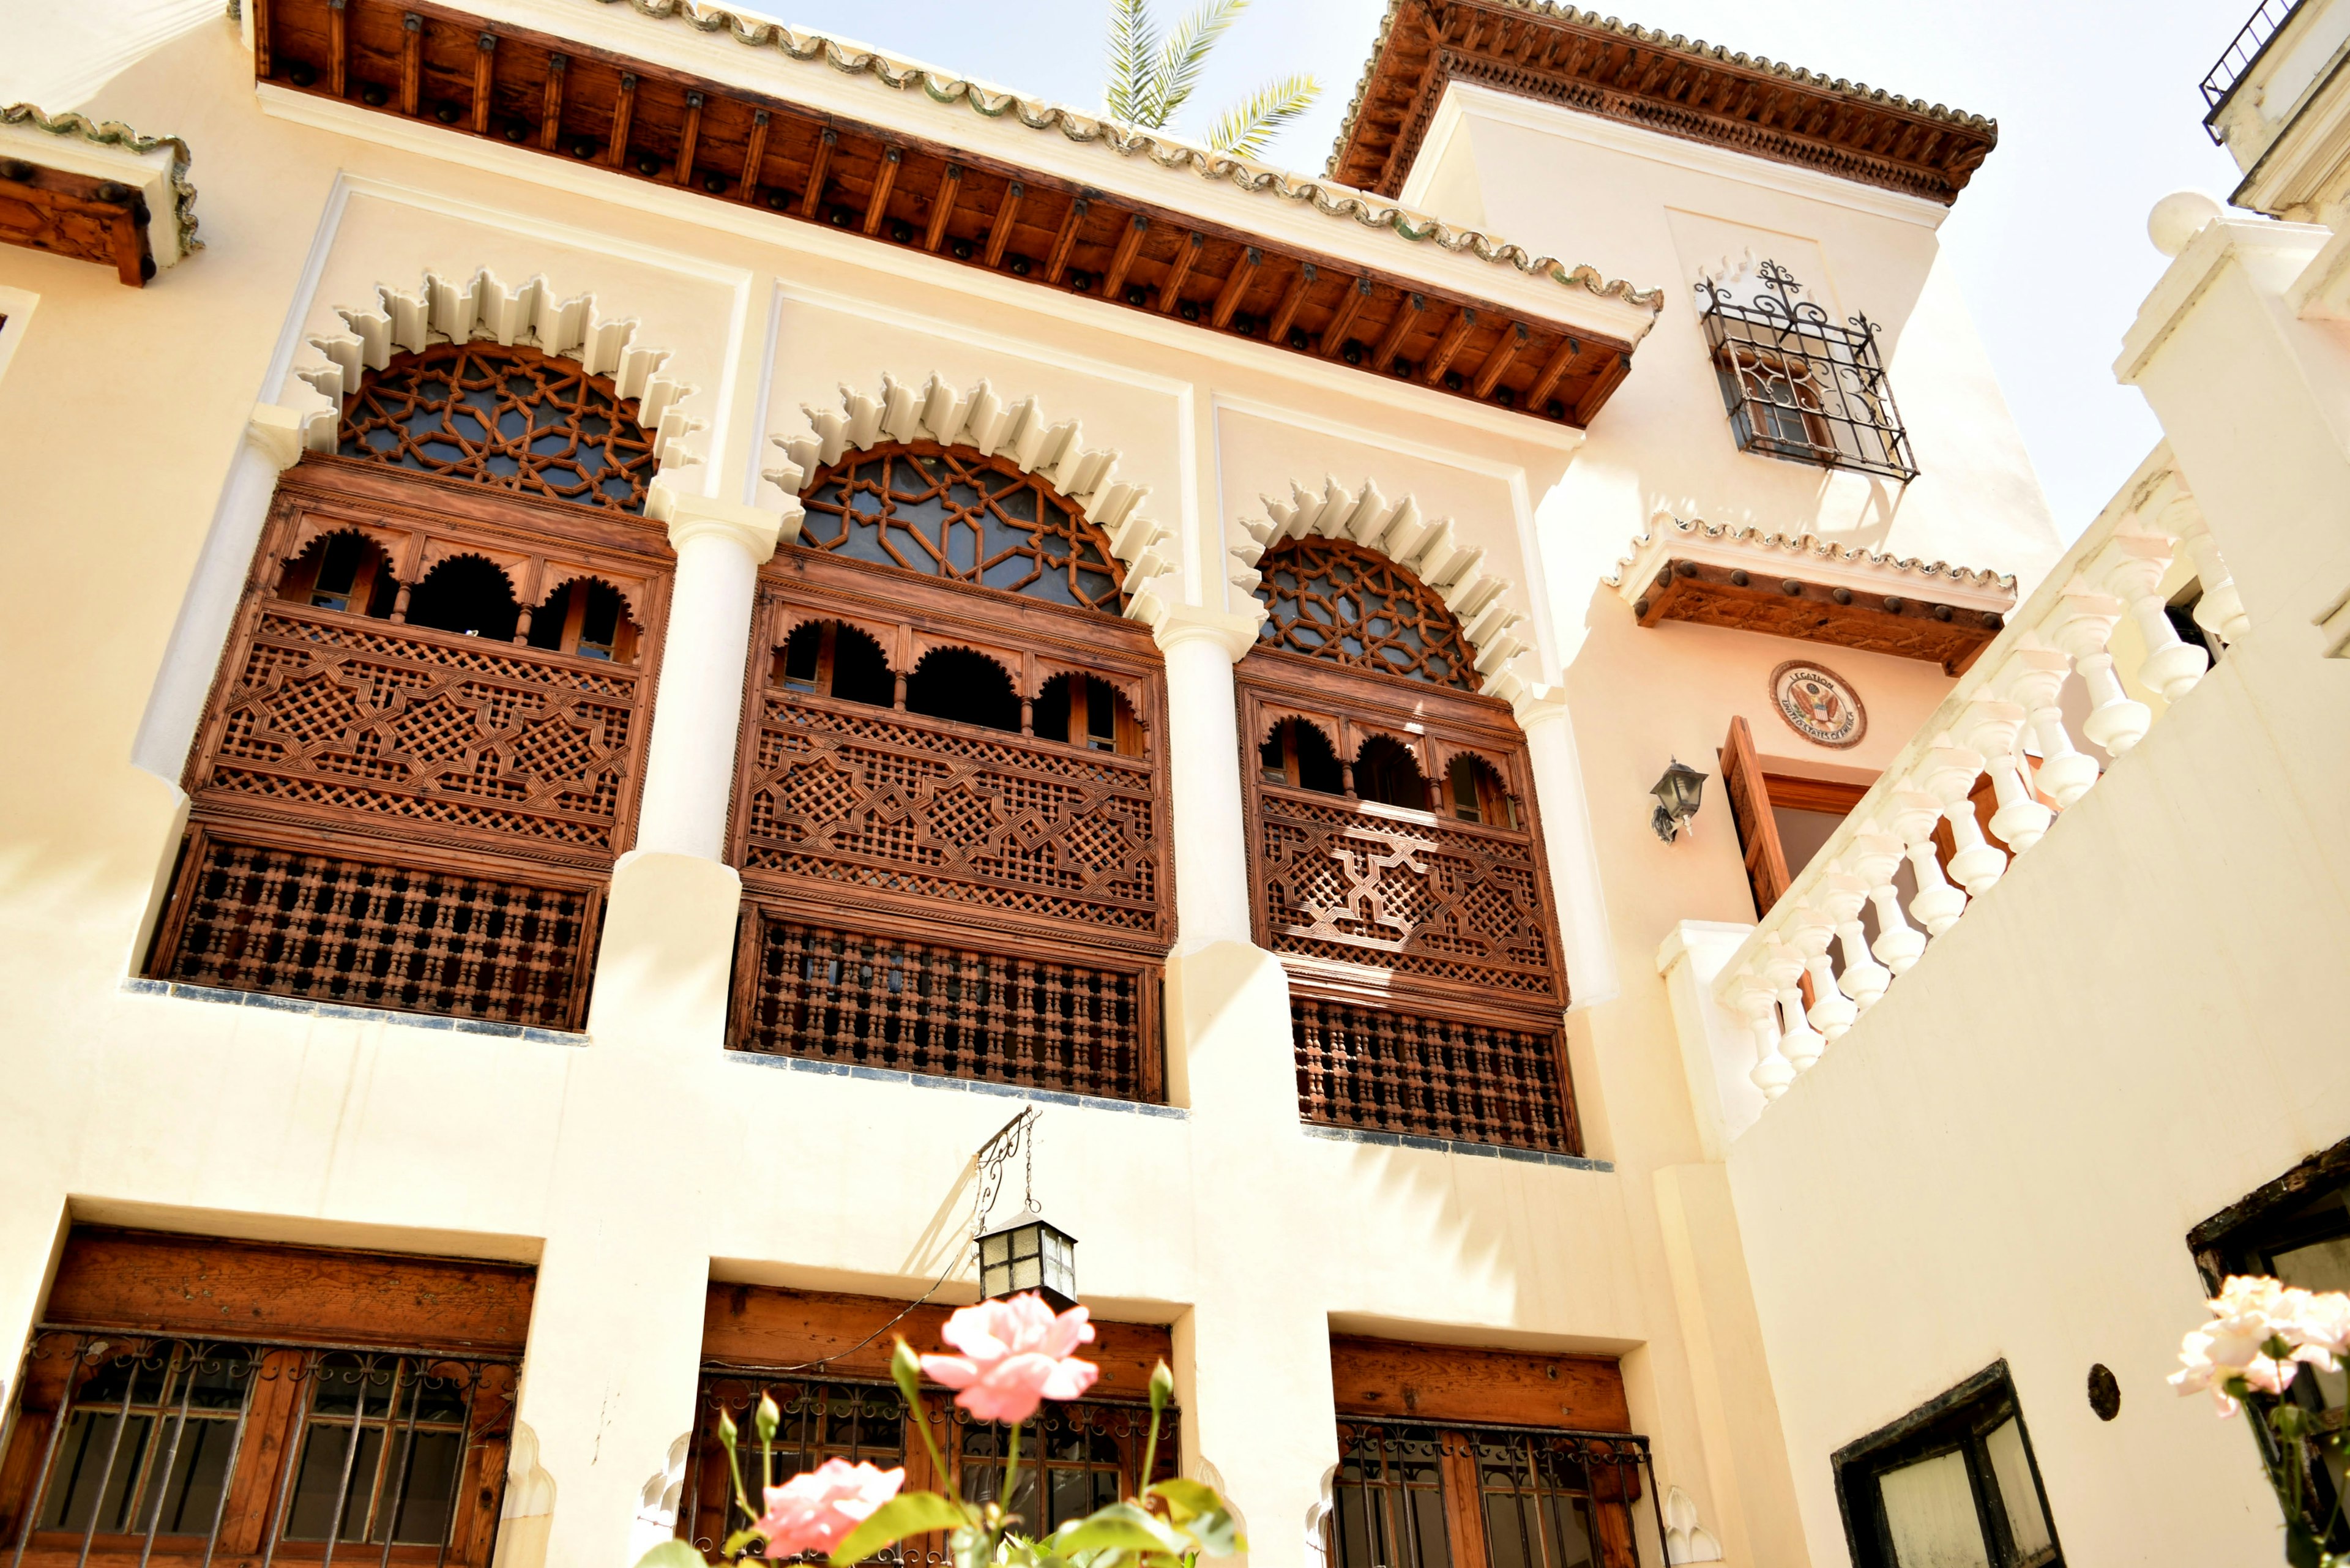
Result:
x=522 y=627
x=1937 y=905
x=1809 y=932
x=1992 y=728
x=1874 y=857
x=1864 y=979
x=2132 y=565
x=400 y=605
x=2220 y=610
x=1950 y=773
x=2083 y=628
x=1758 y=1004
x=2034 y=681
x=1783 y=966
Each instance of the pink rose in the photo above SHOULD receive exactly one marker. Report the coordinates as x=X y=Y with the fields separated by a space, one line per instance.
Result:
x=1015 y=1354
x=815 y=1511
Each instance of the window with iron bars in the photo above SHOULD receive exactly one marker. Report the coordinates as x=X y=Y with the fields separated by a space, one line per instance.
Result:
x=168 y=1450
x=1800 y=386
x=1441 y=1495
x=1074 y=1458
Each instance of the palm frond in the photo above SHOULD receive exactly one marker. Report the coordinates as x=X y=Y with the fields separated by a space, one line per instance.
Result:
x=1243 y=129
x=1133 y=45
x=1176 y=71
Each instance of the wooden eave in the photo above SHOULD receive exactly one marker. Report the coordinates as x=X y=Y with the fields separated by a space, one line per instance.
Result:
x=81 y=217
x=1786 y=606
x=1575 y=60
x=664 y=126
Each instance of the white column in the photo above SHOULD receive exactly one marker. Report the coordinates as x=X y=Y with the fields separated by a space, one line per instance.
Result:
x=697 y=707
x=1203 y=768
x=1569 y=846
x=270 y=443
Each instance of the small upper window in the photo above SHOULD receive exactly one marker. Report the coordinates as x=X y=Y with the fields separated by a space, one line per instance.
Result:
x=949 y=512
x=1950 y=1485
x=1336 y=600
x=513 y=417
x=1797 y=384
x=345 y=571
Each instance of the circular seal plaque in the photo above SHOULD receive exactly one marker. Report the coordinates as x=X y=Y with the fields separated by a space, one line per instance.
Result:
x=1818 y=704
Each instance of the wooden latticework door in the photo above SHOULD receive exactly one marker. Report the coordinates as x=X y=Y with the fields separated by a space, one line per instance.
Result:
x=951 y=810
x=423 y=748
x=1398 y=864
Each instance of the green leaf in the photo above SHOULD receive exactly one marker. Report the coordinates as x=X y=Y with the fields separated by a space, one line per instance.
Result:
x=671 y=1555
x=1176 y=71
x=908 y=1513
x=1133 y=41
x=1118 y=1527
x=1185 y=1498
x=1243 y=129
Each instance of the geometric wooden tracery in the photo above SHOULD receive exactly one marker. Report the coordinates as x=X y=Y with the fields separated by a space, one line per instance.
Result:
x=955 y=513
x=1333 y=599
x=511 y=417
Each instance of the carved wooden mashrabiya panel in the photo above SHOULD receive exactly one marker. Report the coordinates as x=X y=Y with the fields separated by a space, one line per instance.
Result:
x=424 y=744
x=952 y=821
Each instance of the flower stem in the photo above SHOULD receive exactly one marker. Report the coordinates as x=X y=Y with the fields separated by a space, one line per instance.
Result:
x=1011 y=1467
x=1150 y=1454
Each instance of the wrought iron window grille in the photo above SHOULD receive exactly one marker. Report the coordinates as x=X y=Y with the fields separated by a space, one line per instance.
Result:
x=1798 y=385
x=162 y=1449
x=1441 y=1494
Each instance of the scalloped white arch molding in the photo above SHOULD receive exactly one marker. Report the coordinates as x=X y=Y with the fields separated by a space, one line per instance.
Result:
x=1431 y=548
x=532 y=314
x=1057 y=454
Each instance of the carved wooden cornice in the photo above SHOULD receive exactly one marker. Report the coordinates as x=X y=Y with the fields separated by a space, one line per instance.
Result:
x=724 y=142
x=1664 y=83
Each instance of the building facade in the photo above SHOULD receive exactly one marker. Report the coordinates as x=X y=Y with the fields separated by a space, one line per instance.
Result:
x=719 y=648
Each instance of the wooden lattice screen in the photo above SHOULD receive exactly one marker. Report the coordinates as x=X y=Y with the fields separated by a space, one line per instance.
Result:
x=945 y=869
x=422 y=751
x=1404 y=882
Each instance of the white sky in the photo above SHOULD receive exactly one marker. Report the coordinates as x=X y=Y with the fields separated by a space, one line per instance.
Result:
x=2098 y=113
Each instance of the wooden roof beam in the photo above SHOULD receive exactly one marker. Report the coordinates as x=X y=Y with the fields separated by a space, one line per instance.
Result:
x=687 y=139
x=550 y=110
x=813 y=192
x=338 y=51
x=1406 y=317
x=1187 y=253
x=1498 y=358
x=999 y=228
x=1464 y=322
x=1228 y=299
x=1276 y=331
x=1619 y=366
x=755 y=157
x=885 y=179
x=942 y=205
x=1121 y=260
x=1066 y=240
x=1350 y=305
x=1538 y=395
x=411 y=64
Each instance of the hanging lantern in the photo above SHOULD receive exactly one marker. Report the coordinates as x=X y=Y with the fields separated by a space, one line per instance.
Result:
x=1032 y=1255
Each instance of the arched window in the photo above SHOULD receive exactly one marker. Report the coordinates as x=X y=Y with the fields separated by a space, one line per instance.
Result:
x=1328 y=598
x=952 y=807
x=515 y=417
x=948 y=512
x=1399 y=871
x=422 y=751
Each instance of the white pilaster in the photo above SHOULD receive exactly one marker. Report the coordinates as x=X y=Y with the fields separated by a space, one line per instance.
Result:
x=270 y=444
x=1211 y=883
x=1568 y=846
x=697 y=707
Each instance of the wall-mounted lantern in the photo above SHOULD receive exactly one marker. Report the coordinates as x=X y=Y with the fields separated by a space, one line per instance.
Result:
x=1676 y=799
x=1030 y=1255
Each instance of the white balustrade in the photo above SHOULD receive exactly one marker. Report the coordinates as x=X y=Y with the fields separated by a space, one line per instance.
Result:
x=2004 y=713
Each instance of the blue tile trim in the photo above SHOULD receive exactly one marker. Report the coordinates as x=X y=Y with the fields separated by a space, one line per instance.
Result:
x=1455 y=1146
x=136 y=986
x=957 y=1085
